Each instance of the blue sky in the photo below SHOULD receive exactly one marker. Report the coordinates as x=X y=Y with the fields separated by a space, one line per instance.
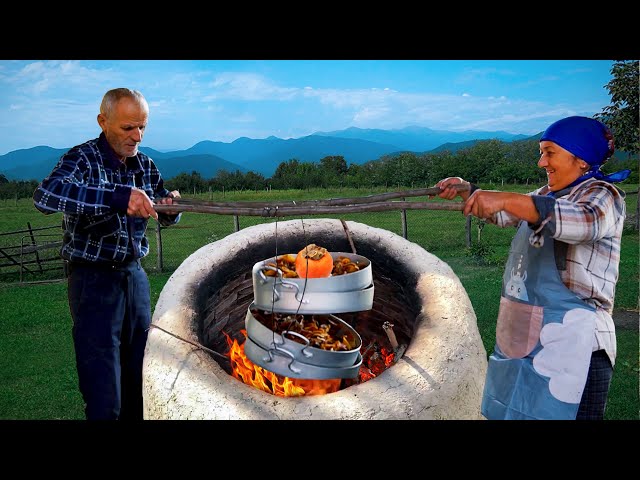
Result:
x=55 y=103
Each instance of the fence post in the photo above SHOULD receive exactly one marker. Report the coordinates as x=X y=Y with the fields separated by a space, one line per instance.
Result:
x=403 y=217
x=468 y=231
x=33 y=242
x=159 y=247
x=236 y=223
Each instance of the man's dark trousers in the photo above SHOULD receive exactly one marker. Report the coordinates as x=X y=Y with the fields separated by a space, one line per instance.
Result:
x=111 y=312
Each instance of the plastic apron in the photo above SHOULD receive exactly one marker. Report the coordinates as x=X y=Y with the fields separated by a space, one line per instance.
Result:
x=544 y=338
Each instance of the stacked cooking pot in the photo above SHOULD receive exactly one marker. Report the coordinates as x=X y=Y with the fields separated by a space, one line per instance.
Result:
x=288 y=352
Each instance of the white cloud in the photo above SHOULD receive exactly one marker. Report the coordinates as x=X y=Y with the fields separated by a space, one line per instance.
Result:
x=248 y=87
x=37 y=78
x=566 y=354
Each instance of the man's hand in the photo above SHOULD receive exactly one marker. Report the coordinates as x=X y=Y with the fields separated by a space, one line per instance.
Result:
x=169 y=201
x=140 y=205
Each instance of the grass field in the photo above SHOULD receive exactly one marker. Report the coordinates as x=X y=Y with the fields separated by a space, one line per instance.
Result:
x=38 y=377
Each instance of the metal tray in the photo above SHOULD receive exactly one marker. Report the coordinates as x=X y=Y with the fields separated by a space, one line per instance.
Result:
x=351 y=292
x=281 y=363
x=303 y=352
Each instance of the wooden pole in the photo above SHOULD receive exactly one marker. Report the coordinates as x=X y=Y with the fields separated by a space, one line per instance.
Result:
x=269 y=211
x=403 y=219
x=420 y=192
x=159 y=247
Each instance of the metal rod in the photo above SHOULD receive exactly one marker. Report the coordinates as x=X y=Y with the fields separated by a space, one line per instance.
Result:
x=202 y=347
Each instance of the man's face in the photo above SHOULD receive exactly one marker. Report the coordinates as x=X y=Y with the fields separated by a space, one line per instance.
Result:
x=125 y=127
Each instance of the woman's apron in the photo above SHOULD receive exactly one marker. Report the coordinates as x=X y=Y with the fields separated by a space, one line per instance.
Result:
x=544 y=338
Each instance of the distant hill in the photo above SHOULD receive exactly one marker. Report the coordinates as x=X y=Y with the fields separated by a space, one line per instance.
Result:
x=30 y=163
x=206 y=165
x=264 y=155
x=37 y=162
x=455 y=147
x=419 y=139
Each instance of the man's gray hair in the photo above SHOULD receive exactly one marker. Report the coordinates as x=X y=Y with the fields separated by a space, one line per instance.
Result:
x=112 y=97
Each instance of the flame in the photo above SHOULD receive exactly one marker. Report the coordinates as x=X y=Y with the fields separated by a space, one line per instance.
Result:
x=374 y=362
x=251 y=374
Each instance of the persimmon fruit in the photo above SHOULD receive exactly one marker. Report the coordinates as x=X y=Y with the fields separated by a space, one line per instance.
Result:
x=314 y=262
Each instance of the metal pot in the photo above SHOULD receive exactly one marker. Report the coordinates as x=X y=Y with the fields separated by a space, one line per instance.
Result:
x=281 y=363
x=351 y=292
x=303 y=352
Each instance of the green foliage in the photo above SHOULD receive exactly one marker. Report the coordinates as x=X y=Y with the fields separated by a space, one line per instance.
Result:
x=623 y=115
x=480 y=252
x=16 y=189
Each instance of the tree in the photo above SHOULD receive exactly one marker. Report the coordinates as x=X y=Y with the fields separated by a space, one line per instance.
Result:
x=622 y=116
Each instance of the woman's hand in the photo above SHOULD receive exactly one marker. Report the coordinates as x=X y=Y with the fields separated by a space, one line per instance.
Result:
x=449 y=193
x=174 y=195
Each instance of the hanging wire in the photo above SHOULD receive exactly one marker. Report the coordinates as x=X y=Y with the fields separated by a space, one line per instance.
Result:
x=275 y=279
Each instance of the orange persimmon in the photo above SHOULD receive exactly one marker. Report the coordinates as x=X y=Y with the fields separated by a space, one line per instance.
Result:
x=314 y=262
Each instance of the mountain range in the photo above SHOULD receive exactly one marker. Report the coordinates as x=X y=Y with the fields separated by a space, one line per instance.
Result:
x=264 y=155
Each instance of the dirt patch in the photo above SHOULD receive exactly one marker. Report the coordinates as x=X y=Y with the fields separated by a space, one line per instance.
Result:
x=627 y=319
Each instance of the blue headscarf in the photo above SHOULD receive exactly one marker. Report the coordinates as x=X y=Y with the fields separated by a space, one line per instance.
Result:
x=589 y=140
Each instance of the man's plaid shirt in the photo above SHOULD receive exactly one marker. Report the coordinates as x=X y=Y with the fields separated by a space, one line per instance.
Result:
x=92 y=187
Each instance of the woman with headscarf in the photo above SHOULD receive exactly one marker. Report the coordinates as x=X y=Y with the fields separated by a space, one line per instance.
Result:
x=555 y=337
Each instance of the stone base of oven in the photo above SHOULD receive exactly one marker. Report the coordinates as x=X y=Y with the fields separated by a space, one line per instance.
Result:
x=440 y=376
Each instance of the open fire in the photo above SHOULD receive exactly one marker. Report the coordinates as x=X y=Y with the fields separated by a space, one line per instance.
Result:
x=375 y=359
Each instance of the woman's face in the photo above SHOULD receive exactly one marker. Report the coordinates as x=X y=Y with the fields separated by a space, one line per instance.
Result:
x=562 y=167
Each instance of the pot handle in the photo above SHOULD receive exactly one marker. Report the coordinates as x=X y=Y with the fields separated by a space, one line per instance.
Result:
x=301 y=337
x=285 y=352
x=283 y=282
